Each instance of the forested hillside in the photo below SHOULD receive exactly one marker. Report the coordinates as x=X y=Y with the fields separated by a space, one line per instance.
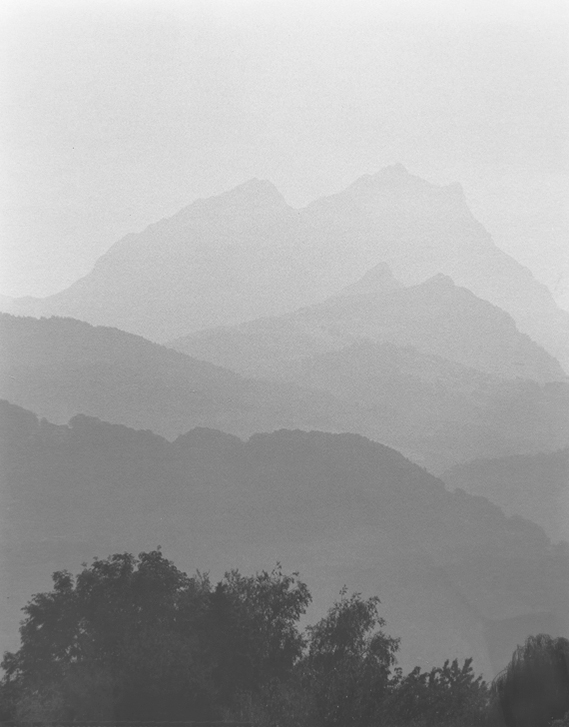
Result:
x=339 y=508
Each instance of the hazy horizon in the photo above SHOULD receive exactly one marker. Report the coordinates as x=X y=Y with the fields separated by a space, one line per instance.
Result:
x=120 y=114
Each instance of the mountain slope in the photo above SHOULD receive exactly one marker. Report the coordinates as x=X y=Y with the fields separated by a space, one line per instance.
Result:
x=420 y=229
x=437 y=367
x=434 y=410
x=532 y=486
x=437 y=317
x=246 y=253
x=438 y=413
x=62 y=367
x=341 y=509
x=214 y=261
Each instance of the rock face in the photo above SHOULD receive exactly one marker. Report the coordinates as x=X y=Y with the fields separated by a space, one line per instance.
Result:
x=246 y=253
x=449 y=568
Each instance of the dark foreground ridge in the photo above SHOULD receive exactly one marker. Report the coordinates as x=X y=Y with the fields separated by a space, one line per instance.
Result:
x=451 y=569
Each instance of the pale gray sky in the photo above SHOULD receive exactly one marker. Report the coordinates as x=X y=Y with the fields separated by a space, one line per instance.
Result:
x=116 y=114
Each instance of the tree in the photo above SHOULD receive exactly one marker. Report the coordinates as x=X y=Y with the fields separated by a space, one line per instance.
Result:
x=533 y=690
x=120 y=641
x=137 y=639
x=348 y=662
x=444 y=697
x=253 y=627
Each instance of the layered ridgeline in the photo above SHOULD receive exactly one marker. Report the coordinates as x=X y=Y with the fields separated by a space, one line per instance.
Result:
x=532 y=486
x=455 y=575
x=60 y=367
x=442 y=372
x=246 y=253
x=435 y=317
x=439 y=413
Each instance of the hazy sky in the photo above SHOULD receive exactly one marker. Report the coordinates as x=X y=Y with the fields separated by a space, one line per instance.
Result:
x=117 y=114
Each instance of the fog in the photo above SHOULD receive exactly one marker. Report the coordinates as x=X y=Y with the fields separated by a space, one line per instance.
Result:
x=118 y=114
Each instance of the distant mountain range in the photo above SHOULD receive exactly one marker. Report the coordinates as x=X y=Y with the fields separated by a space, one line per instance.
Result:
x=437 y=412
x=246 y=253
x=62 y=367
x=456 y=577
x=385 y=318
x=435 y=317
x=531 y=486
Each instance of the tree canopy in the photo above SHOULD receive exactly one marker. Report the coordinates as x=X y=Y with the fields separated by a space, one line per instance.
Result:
x=534 y=688
x=136 y=639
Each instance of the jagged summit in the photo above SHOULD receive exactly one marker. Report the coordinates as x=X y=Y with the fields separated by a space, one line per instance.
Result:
x=393 y=175
x=398 y=178
x=255 y=193
x=393 y=171
x=393 y=193
x=251 y=198
x=439 y=280
x=254 y=190
x=378 y=280
x=246 y=253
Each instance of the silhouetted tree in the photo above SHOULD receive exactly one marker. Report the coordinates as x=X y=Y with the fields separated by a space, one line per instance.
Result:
x=446 y=696
x=533 y=690
x=348 y=662
x=253 y=630
x=137 y=639
x=120 y=641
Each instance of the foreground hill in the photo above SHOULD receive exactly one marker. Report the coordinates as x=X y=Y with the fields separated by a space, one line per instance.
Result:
x=438 y=413
x=436 y=317
x=450 y=568
x=533 y=486
x=246 y=253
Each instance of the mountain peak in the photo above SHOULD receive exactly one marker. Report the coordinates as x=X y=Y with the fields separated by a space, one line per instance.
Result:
x=257 y=192
x=252 y=196
x=378 y=280
x=392 y=176
x=397 y=179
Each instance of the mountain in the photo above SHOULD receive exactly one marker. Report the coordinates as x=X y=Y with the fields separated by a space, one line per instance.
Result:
x=246 y=253
x=421 y=229
x=532 y=486
x=62 y=367
x=376 y=281
x=437 y=413
x=438 y=368
x=450 y=568
x=214 y=261
x=436 y=317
